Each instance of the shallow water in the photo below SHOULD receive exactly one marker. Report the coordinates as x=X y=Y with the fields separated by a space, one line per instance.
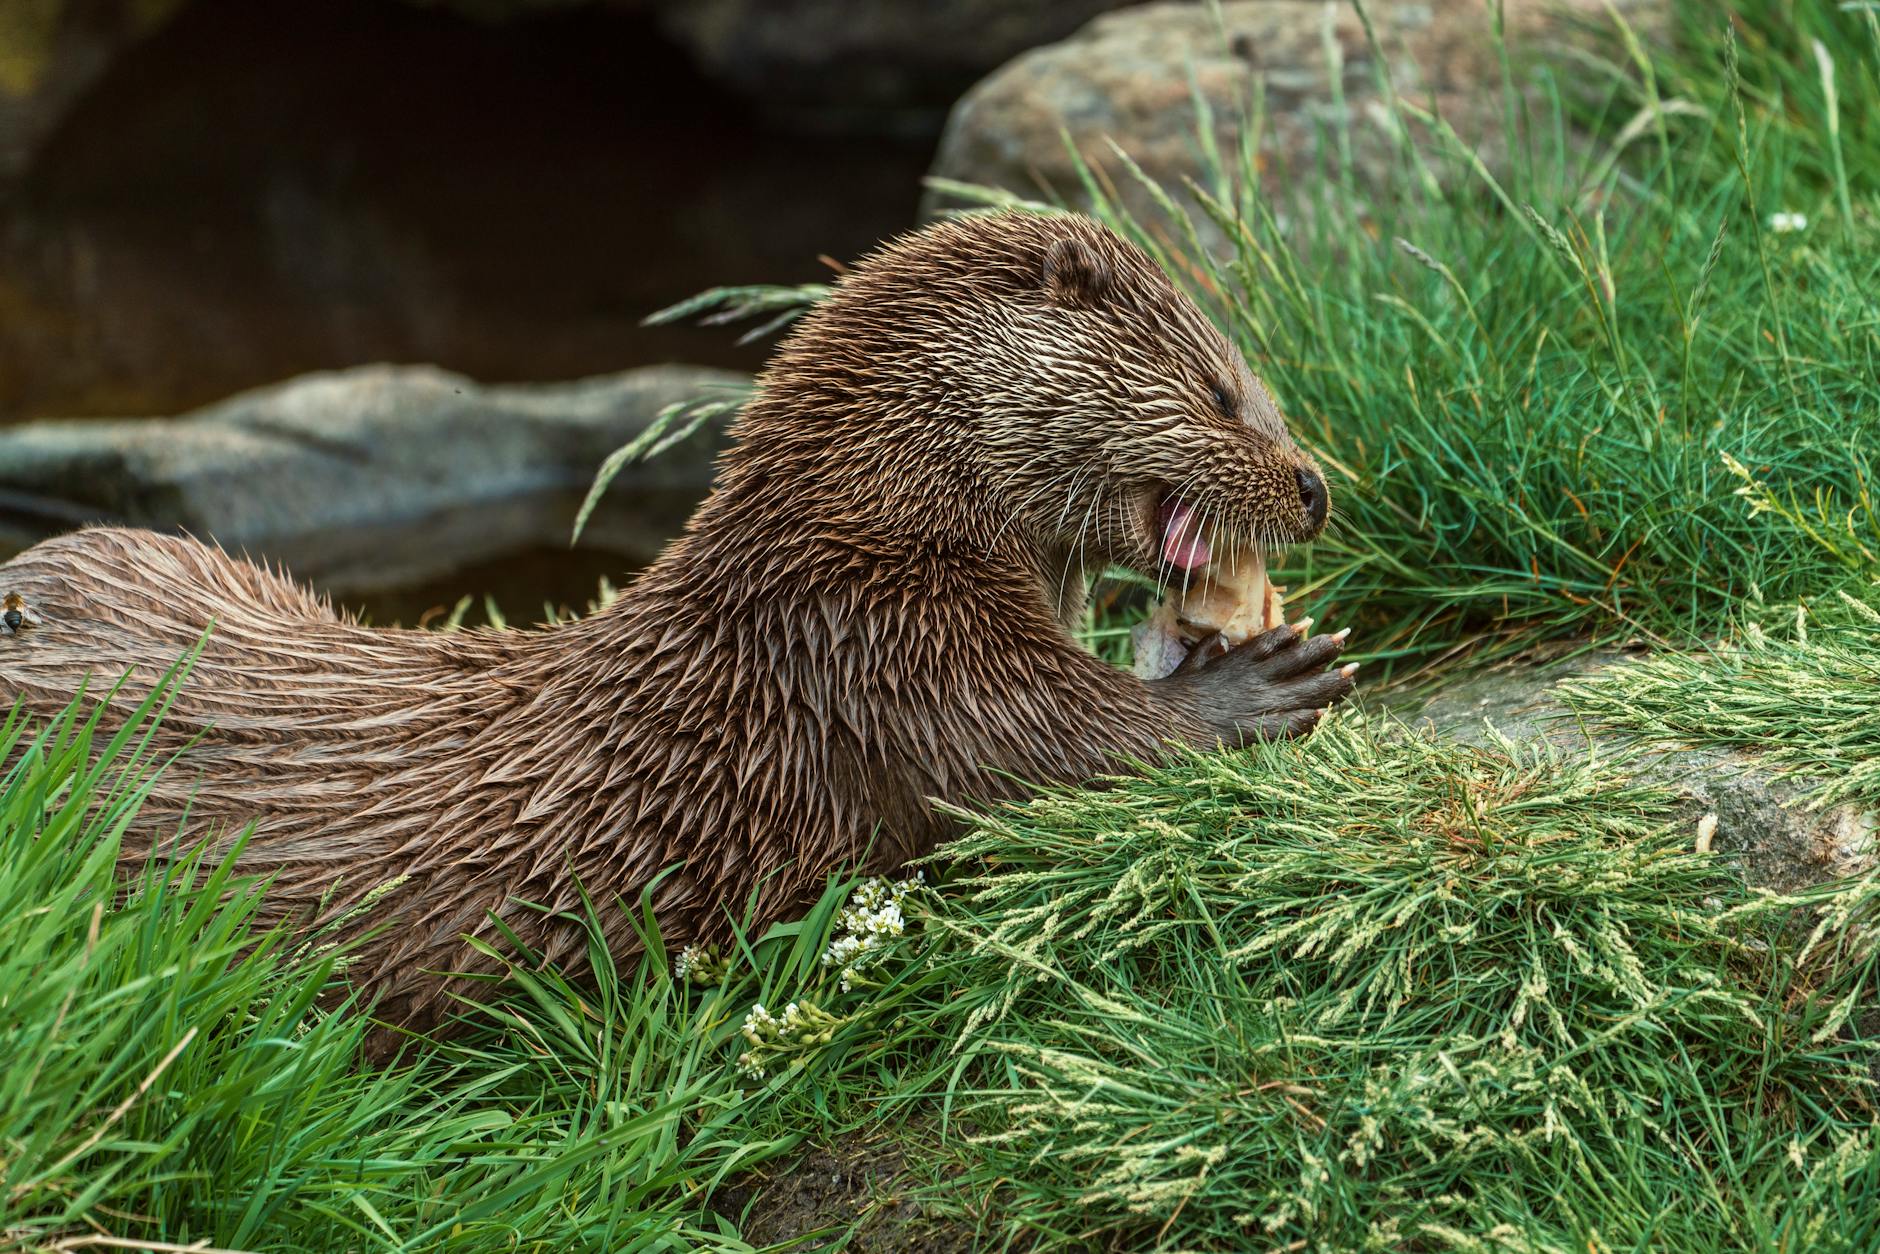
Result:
x=270 y=186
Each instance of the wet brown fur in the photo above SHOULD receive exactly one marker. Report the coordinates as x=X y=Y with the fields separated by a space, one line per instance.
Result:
x=868 y=612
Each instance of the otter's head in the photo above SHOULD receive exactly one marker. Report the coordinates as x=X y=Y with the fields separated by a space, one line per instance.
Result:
x=1102 y=415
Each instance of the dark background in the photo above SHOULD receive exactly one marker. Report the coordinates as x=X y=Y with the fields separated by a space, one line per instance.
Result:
x=264 y=187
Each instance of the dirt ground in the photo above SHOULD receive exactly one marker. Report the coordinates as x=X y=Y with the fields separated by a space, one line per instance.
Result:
x=860 y=1182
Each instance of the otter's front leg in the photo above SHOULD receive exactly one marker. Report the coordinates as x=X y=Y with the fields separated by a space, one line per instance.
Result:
x=1049 y=713
x=1277 y=684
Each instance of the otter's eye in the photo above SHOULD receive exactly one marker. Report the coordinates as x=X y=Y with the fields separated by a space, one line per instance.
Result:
x=1223 y=402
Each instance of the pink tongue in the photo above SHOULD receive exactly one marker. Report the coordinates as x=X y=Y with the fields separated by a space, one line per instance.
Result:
x=1182 y=544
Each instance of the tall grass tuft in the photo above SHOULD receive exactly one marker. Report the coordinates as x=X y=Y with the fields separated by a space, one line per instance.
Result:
x=1383 y=991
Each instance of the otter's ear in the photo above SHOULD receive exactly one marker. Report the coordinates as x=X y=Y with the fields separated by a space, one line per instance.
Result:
x=1073 y=274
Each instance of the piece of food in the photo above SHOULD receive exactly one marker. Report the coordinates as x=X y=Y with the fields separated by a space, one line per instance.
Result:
x=1233 y=596
x=1226 y=592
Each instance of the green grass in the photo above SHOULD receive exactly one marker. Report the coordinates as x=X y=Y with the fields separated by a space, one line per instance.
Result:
x=1803 y=697
x=1371 y=991
x=171 y=1072
x=1384 y=992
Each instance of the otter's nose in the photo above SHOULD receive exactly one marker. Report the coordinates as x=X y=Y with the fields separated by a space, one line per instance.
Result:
x=1312 y=496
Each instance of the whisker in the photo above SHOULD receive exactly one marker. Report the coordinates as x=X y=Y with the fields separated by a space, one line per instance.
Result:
x=1070 y=494
x=1076 y=550
x=1219 y=538
x=1070 y=497
x=1019 y=509
x=1210 y=529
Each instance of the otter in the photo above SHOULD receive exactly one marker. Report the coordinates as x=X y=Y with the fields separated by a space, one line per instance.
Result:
x=869 y=612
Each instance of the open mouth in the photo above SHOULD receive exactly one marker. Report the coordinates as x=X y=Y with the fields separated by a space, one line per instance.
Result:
x=1215 y=584
x=1179 y=531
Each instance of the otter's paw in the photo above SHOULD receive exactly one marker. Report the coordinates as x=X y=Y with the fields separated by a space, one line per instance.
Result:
x=1277 y=684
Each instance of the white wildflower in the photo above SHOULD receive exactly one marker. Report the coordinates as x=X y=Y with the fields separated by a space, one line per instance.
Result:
x=700 y=964
x=871 y=919
x=1786 y=222
x=799 y=1030
x=757 y=1023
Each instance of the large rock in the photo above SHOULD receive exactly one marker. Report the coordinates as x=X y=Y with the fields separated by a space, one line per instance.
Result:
x=1764 y=818
x=1128 y=77
x=373 y=477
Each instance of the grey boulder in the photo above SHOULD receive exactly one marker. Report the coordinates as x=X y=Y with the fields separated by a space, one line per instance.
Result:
x=1131 y=76
x=1764 y=818
x=372 y=477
